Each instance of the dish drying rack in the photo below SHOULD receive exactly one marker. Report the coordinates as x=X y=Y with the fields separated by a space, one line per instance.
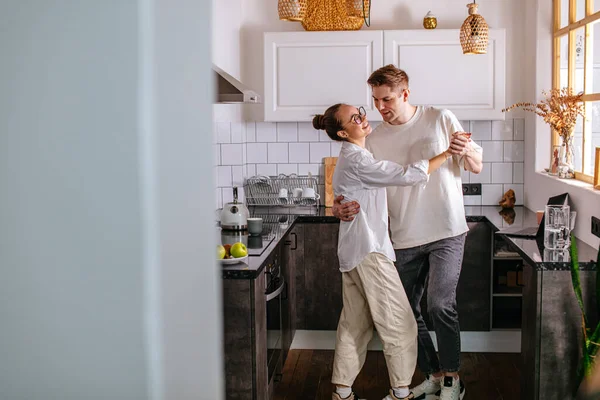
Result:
x=266 y=190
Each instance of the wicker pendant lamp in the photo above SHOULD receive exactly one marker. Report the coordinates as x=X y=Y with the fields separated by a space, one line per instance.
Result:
x=291 y=10
x=474 y=32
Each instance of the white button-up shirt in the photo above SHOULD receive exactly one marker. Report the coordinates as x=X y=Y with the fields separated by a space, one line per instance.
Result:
x=359 y=177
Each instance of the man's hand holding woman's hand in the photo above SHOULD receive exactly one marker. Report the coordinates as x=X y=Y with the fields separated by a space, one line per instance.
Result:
x=346 y=211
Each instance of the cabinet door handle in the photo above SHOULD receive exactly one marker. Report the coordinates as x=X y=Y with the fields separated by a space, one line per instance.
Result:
x=295 y=240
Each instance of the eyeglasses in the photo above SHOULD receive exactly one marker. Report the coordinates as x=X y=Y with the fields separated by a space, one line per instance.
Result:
x=360 y=117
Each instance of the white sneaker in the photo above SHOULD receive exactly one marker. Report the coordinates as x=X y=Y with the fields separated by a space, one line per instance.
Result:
x=452 y=389
x=428 y=387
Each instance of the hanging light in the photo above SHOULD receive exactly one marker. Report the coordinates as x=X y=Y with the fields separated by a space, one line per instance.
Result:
x=291 y=10
x=474 y=32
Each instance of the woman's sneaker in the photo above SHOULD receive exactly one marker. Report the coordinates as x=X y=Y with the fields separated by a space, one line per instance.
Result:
x=452 y=389
x=429 y=386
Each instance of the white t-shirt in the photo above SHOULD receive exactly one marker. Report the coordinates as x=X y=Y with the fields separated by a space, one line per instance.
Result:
x=425 y=213
x=359 y=177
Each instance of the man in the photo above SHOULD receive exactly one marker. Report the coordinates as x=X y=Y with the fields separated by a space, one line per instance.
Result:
x=427 y=222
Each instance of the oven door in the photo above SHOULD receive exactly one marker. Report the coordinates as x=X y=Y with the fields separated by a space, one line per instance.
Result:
x=274 y=325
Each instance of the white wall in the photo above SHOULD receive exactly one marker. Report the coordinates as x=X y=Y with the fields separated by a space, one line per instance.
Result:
x=107 y=290
x=261 y=16
x=539 y=187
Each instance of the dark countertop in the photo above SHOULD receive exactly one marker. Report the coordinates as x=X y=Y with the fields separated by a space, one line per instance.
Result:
x=279 y=221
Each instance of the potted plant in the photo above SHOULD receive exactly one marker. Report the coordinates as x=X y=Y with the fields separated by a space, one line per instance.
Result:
x=560 y=110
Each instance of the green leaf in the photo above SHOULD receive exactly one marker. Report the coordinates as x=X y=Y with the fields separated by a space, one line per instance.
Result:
x=576 y=281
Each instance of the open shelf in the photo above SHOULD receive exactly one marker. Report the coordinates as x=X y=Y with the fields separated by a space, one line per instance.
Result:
x=506 y=312
x=507 y=294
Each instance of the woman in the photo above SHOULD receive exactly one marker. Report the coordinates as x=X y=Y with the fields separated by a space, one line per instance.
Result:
x=372 y=292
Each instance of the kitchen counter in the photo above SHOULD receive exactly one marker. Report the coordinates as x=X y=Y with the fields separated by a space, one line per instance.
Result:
x=280 y=220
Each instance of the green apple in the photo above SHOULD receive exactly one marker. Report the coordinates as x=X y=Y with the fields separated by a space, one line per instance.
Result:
x=238 y=250
x=220 y=252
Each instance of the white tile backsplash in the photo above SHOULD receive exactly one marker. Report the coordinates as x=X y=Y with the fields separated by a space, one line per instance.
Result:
x=266 y=132
x=299 y=152
x=232 y=154
x=277 y=153
x=256 y=153
x=491 y=194
x=502 y=172
x=513 y=151
x=223 y=132
x=287 y=132
x=493 y=151
x=481 y=130
x=502 y=130
x=318 y=151
x=265 y=148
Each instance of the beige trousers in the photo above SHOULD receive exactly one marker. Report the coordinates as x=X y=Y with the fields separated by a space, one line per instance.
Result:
x=373 y=295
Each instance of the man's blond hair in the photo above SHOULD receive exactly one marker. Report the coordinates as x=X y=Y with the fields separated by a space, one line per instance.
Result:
x=389 y=75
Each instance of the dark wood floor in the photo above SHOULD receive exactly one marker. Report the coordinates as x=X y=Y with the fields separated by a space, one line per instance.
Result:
x=307 y=376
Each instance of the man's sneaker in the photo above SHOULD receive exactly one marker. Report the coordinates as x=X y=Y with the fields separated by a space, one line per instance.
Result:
x=392 y=396
x=336 y=396
x=452 y=389
x=427 y=387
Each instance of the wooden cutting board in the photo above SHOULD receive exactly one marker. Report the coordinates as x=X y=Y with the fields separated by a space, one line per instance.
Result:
x=330 y=163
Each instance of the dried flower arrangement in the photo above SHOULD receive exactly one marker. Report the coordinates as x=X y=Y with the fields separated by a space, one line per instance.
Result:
x=559 y=110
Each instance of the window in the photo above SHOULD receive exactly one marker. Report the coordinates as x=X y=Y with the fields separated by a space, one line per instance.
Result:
x=577 y=65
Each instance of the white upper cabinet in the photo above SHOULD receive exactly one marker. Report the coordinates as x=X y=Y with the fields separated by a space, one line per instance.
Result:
x=306 y=72
x=471 y=86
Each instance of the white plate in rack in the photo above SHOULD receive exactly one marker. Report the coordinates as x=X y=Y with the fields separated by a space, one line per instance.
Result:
x=229 y=261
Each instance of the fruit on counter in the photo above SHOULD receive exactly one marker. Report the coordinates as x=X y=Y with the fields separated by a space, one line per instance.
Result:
x=221 y=252
x=239 y=250
x=227 y=250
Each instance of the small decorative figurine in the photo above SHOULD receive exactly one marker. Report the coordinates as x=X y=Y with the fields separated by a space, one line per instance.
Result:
x=429 y=22
x=508 y=200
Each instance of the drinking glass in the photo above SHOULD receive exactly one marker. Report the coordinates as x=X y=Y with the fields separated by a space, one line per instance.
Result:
x=557 y=229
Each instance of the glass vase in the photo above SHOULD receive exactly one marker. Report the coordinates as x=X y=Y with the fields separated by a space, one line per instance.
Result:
x=566 y=168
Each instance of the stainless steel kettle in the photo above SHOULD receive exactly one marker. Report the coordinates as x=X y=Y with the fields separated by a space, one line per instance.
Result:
x=234 y=215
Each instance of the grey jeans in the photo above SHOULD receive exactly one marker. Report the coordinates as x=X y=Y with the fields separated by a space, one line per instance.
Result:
x=439 y=264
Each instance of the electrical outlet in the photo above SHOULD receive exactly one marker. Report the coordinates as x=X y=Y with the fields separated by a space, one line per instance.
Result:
x=595 y=226
x=471 y=189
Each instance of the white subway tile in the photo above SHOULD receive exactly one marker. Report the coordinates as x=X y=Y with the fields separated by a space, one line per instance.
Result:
x=481 y=130
x=244 y=153
x=518 y=173
x=266 y=132
x=519 y=128
x=237 y=173
x=250 y=132
x=502 y=173
x=335 y=148
x=465 y=125
x=266 y=169
x=493 y=151
x=318 y=151
x=218 y=198
x=306 y=132
x=465 y=176
x=484 y=176
x=287 y=169
x=304 y=169
x=277 y=153
x=223 y=132
x=224 y=178
x=502 y=130
x=491 y=194
x=256 y=153
x=250 y=170
x=237 y=132
x=232 y=154
x=216 y=154
x=472 y=200
x=228 y=195
x=518 y=189
x=287 y=132
x=299 y=152
x=513 y=151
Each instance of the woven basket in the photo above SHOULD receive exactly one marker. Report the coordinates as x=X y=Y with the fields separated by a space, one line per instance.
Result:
x=474 y=32
x=292 y=10
x=334 y=15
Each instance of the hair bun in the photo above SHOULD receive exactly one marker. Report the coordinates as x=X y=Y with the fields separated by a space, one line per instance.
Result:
x=319 y=122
